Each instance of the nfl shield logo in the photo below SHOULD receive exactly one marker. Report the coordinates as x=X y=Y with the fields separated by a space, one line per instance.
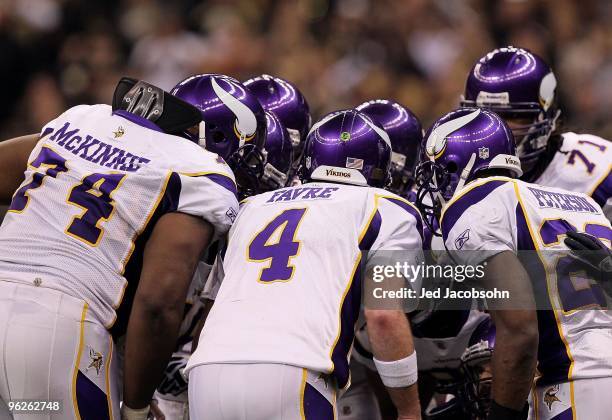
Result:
x=483 y=152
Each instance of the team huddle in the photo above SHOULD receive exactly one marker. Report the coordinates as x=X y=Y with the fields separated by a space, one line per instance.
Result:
x=204 y=253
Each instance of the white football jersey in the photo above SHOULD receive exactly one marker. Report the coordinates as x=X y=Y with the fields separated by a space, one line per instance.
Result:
x=96 y=184
x=583 y=164
x=498 y=214
x=291 y=291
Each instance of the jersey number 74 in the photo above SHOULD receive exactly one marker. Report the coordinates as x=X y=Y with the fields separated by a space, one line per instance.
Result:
x=93 y=196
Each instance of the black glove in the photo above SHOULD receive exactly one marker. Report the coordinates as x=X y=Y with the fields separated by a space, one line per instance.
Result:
x=174 y=382
x=591 y=250
x=499 y=412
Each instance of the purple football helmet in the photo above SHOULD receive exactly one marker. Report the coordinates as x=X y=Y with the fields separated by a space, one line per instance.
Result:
x=233 y=124
x=476 y=367
x=347 y=147
x=287 y=102
x=517 y=84
x=457 y=148
x=406 y=135
x=278 y=153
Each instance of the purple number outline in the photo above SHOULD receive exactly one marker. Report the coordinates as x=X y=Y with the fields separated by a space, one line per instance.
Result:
x=279 y=254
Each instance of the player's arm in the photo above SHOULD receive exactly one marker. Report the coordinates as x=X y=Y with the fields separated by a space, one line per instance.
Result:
x=170 y=259
x=516 y=342
x=395 y=358
x=14 y=154
x=399 y=240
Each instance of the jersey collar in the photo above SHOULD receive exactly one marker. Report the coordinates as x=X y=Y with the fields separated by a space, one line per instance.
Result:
x=136 y=119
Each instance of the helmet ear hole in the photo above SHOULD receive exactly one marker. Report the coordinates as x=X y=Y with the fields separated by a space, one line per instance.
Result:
x=451 y=167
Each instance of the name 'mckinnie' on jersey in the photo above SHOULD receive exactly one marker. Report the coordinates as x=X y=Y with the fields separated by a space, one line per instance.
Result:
x=583 y=164
x=501 y=214
x=96 y=184
x=291 y=291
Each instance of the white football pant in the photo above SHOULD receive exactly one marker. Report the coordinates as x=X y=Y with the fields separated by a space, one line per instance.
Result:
x=582 y=399
x=259 y=392
x=52 y=349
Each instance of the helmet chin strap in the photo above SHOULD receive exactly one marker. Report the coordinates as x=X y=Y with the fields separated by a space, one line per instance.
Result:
x=465 y=173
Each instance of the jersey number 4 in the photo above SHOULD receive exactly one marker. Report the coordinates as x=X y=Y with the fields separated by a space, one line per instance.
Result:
x=276 y=243
x=93 y=196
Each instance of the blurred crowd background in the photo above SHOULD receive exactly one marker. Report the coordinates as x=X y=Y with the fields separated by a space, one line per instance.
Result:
x=58 y=53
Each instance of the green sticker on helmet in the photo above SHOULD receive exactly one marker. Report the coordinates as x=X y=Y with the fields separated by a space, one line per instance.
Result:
x=345 y=136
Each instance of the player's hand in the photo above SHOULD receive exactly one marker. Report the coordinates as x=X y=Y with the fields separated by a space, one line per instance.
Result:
x=590 y=250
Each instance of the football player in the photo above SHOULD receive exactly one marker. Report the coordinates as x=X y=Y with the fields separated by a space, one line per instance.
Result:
x=277 y=341
x=233 y=124
x=101 y=239
x=171 y=395
x=406 y=134
x=285 y=101
x=471 y=173
x=278 y=155
x=440 y=336
x=519 y=86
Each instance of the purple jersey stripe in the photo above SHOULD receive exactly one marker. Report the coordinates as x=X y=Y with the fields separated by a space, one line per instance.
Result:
x=565 y=415
x=316 y=406
x=371 y=233
x=136 y=119
x=603 y=191
x=91 y=400
x=349 y=312
x=225 y=181
x=459 y=206
x=410 y=209
x=554 y=361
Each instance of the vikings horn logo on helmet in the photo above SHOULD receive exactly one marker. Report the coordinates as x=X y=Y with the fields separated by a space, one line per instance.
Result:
x=382 y=133
x=436 y=142
x=246 y=122
x=547 y=90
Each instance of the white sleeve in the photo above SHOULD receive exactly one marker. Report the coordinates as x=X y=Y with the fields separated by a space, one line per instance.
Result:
x=395 y=235
x=211 y=196
x=477 y=226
